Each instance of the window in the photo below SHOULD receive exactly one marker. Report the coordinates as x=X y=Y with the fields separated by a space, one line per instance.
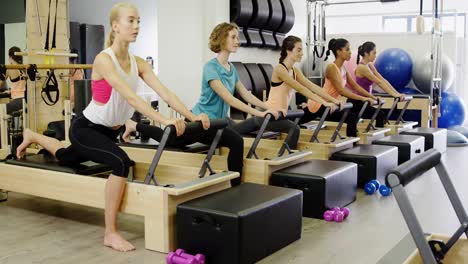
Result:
x=450 y=22
x=397 y=24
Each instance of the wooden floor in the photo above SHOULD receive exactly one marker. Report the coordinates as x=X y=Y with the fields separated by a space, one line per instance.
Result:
x=34 y=230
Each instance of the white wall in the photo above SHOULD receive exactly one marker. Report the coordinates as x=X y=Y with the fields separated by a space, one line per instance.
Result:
x=15 y=35
x=97 y=13
x=183 y=33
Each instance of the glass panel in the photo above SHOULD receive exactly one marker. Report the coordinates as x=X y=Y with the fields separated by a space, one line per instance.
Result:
x=395 y=25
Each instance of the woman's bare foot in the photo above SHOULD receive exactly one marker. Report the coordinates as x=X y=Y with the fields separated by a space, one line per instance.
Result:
x=115 y=241
x=28 y=139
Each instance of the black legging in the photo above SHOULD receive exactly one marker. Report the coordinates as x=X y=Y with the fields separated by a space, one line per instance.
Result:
x=14 y=105
x=98 y=143
x=368 y=113
x=351 y=119
x=252 y=124
x=230 y=139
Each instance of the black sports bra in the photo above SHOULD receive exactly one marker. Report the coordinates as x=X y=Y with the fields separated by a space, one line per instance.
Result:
x=276 y=84
x=20 y=77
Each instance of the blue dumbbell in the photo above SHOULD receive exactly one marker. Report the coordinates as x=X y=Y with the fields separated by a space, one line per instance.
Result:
x=385 y=191
x=372 y=187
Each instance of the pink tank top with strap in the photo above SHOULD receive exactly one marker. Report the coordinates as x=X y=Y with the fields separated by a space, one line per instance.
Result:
x=329 y=88
x=281 y=93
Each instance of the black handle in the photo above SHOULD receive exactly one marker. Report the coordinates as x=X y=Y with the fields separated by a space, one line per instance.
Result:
x=293 y=114
x=197 y=127
x=413 y=168
x=205 y=218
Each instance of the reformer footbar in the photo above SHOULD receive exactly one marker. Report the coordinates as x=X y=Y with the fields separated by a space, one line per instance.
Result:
x=296 y=115
x=432 y=251
x=346 y=108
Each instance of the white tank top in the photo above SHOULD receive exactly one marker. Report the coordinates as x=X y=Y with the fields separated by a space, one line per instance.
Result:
x=117 y=110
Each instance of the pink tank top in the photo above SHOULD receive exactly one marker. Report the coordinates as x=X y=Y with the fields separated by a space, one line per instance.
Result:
x=330 y=89
x=18 y=86
x=281 y=95
x=116 y=110
x=101 y=91
x=17 y=89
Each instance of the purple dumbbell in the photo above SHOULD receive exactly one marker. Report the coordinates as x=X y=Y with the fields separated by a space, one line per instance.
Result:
x=345 y=211
x=173 y=258
x=336 y=209
x=328 y=215
x=200 y=258
x=338 y=216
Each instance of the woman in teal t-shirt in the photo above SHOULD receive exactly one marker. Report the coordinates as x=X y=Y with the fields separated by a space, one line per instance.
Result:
x=220 y=81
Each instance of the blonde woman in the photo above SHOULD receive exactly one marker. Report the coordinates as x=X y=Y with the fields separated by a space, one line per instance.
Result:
x=92 y=135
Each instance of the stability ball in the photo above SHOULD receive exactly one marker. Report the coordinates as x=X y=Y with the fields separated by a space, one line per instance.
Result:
x=395 y=65
x=422 y=73
x=452 y=110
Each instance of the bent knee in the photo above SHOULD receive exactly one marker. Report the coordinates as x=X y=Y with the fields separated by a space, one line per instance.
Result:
x=122 y=166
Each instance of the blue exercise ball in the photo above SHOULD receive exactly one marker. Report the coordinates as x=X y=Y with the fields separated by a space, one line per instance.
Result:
x=452 y=110
x=407 y=90
x=396 y=66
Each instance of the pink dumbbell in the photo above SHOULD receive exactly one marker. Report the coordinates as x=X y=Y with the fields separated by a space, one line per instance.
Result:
x=345 y=211
x=328 y=215
x=173 y=258
x=200 y=258
x=336 y=214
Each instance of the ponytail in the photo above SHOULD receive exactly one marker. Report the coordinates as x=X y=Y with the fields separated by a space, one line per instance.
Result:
x=359 y=54
x=110 y=39
x=331 y=47
x=283 y=55
x=334 y=45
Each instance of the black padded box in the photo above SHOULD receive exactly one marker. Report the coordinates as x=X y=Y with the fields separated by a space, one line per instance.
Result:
x=433 y=137
x=325 y=184
x=374 y=161
x=242 y=224
x=408 y=146
x=48 y=162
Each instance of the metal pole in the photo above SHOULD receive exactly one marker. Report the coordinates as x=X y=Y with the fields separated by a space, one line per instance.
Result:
x=308 y=71
x=354 y=2
x=436 y=57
